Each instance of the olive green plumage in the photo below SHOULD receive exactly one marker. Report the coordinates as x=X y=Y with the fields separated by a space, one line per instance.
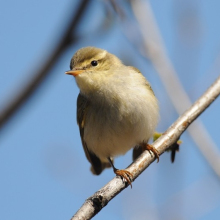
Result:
x=116 y=107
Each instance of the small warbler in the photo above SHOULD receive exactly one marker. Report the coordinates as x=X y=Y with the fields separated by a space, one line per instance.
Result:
x=116 y=108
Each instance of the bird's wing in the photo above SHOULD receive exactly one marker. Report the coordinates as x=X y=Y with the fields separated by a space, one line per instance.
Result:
x=82 y=107
x=147 y=83
x=138 y=150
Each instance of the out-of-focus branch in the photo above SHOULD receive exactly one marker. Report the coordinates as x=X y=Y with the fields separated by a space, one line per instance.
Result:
x=156 y=52
x=40 y=74
x=101 y=198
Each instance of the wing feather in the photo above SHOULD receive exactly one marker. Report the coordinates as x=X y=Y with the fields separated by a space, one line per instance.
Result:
x=82 y=107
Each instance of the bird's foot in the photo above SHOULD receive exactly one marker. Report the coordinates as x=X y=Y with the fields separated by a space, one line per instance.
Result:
x=173 y=148
x=125 y=175
x=150 y=148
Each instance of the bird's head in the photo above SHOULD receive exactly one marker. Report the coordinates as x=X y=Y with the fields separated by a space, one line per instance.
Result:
x=92 y=67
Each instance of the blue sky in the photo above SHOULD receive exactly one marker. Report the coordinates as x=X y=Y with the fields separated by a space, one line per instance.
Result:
x=43 y=169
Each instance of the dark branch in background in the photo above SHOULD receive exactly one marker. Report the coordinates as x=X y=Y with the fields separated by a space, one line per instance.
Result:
x=40 y=75
x=101 y=198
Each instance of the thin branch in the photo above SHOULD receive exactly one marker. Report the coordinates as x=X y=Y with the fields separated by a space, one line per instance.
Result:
x=40 y=74
x=101 y=198
x=156 y=52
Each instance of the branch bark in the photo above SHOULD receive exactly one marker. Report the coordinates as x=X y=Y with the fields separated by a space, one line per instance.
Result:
x=101 y=198
x=40 y=74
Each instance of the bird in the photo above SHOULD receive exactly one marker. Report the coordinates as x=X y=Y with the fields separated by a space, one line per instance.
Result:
x=116 y=109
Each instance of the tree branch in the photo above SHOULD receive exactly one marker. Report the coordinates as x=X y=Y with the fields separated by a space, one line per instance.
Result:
x=101 y=198
x=40 y=74
x=155 y=50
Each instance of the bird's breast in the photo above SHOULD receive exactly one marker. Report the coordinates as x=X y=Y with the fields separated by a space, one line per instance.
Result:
x=115 y=124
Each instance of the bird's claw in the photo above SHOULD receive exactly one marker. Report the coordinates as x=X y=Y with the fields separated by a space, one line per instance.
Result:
x=150 y=148
x=125 y=175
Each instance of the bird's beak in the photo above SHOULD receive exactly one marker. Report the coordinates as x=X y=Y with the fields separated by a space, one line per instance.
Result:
x=74 y=72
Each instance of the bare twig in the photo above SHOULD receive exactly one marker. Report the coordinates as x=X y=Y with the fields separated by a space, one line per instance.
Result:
x=101 y=198
x=156 y=52
x=44 y=71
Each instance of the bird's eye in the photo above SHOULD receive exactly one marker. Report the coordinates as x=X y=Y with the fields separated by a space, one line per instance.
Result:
x=94 y=63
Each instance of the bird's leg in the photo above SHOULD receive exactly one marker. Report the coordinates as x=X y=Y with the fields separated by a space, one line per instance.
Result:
x=122 y=173
x=150 y=148
x=173 y=148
